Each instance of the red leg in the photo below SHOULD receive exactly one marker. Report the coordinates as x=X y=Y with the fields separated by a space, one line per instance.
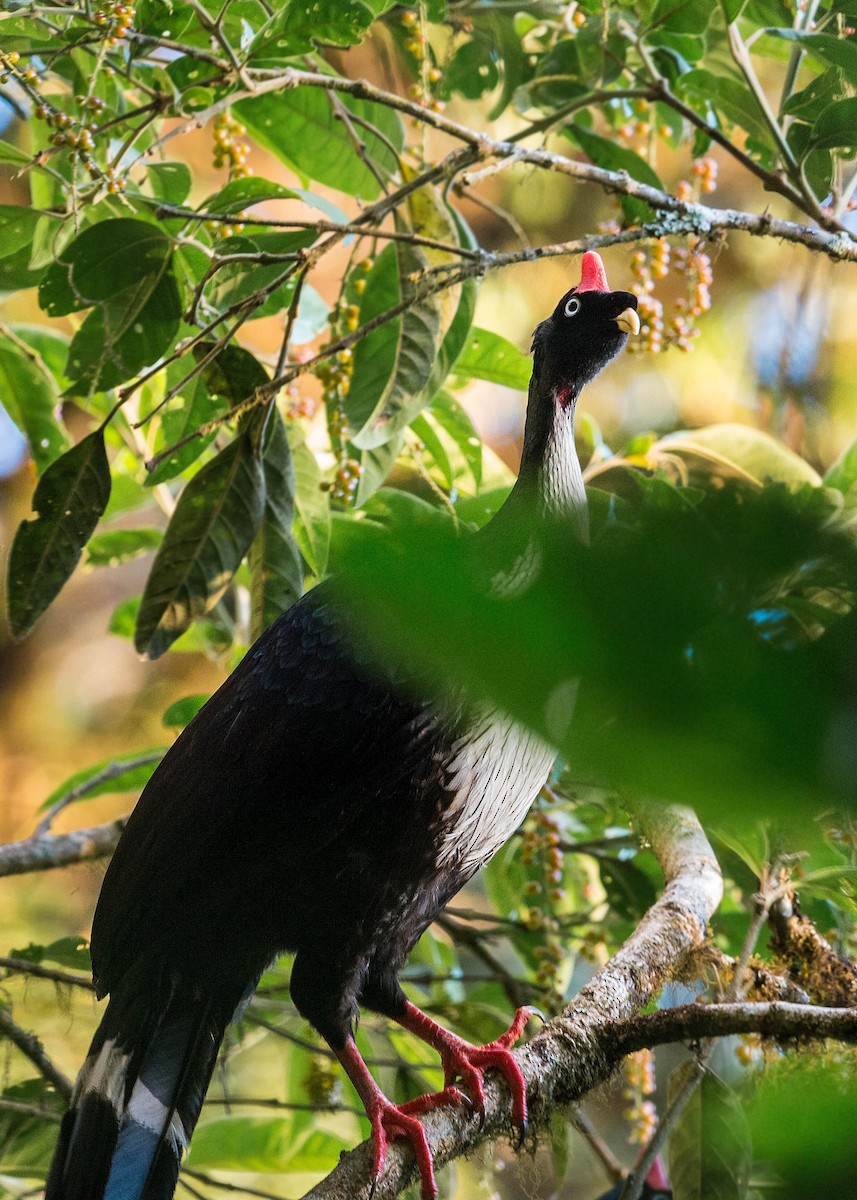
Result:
x=461 y=1060
x=391 y=1120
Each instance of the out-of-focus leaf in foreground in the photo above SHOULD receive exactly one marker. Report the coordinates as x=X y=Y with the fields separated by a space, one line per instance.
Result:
x=708 y=641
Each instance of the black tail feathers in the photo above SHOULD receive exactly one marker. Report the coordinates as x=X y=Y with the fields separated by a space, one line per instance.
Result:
x=136 y=1102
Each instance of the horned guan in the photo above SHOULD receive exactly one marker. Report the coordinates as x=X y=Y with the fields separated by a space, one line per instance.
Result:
x=314 y=806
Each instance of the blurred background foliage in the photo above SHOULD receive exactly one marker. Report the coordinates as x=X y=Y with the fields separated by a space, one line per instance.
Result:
x=166 y=201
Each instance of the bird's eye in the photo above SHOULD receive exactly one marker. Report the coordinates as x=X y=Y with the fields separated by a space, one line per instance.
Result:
x=572 y=307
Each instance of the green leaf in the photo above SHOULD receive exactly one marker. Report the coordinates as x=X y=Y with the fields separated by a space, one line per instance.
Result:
x=276 y=571
x=450 y=415
x=834 y=51
x=428 y=435
x=183 y=711
x=66 y=952
x=247 y=1143
x=710 y=1153
x=69 y=499
x=312 y=510
x=17 y=234
x=122 y=267
x=842 y=475
x=606 y=153
x=301 y=128
x=237 y=282
x=732 y=98
x=117 y=546
x=209 y=533
x=837 y=125
x=31 y=398
x=375 y=465
x=239 y=194
x=393 y=363
x=13 y=154
x=737 y=451
x=27 y=1142
x=298 y=26
x=687 y=16
x=170 y=181
x=121 y=773
x=489 y=356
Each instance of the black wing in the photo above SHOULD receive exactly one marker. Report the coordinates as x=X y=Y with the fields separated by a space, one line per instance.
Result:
x=303 y=774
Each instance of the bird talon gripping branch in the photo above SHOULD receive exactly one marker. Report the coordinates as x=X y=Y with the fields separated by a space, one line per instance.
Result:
x=317 y=806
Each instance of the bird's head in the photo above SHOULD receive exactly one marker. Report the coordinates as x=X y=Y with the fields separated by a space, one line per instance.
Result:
x=588 y=327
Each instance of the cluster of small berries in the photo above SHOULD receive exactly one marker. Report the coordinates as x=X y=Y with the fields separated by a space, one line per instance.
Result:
x=640 y=1109
x=748 y=1048
x=704 y=181
x=642 y=126
x=335 y=377
x=652 y=262
x=541 y=848
x=9 y=66
x=116 y=20
x=230 y=149
x=78 y=136
x=427 y=74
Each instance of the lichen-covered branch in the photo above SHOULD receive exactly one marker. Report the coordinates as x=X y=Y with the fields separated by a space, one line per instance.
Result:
x=61 y=849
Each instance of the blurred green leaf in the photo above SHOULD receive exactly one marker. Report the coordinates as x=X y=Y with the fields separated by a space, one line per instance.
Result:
x=65 y=952
x=710 y=1151
x=182 y=712
x=801 y=1117
x=736 y=451
x=842 y=475
x=69 y=500
x=170 y=181
x=27 y=1142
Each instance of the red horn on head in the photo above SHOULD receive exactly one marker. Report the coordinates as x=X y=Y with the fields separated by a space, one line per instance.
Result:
x=593 y=277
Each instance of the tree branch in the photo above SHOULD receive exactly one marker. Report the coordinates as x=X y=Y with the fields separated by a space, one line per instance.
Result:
x=61 y=849
x=32 y=1048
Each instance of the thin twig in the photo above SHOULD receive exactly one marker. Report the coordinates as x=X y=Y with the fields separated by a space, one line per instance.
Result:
x=32 y=1048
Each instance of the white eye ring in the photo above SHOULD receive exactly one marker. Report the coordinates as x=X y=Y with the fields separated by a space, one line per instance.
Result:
x=572 y=307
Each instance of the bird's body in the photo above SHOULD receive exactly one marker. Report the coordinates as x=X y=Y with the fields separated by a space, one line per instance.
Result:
x=315 y=805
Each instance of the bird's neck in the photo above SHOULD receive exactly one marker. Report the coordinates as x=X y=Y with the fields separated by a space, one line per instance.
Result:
x=550 y=476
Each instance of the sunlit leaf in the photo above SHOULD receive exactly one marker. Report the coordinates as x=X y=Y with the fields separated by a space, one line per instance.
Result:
x=489 y=356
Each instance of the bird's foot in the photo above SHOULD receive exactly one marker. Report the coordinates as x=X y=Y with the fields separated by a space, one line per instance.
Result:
x=462 y=1060
x=390 y=1120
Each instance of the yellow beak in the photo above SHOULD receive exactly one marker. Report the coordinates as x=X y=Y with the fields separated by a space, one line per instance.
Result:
x=628 y=320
